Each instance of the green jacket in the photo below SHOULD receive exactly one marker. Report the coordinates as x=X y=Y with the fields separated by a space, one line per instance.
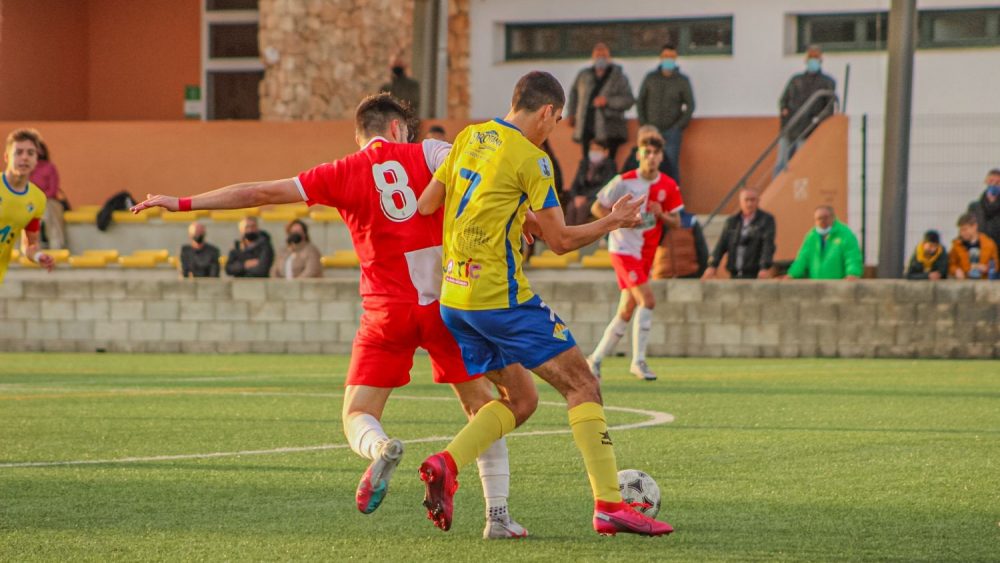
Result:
x=838 y=258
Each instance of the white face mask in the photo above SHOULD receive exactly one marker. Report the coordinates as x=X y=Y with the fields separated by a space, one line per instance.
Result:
x=823 y=231
x=596 y=157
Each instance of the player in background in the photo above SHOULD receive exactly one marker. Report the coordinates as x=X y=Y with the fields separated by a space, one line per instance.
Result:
x=632 y=251
x=22 y=204
x=494 y=174
x=376 y=190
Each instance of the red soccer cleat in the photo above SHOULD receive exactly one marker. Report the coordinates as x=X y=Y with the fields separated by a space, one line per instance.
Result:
x=611 y=518
x=439 y=472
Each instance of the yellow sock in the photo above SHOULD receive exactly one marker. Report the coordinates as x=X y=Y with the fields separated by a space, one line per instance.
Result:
x=491 y=422
x=590 y=432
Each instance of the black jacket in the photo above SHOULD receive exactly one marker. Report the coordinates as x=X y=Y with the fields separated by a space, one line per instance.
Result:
x=200 y=262
x=601 y=175
x=987 y=216
x=759 y=244
x=915 y=271
x=798 y=90
x=261 y=250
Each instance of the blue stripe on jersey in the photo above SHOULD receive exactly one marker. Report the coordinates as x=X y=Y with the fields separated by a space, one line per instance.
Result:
x=512 y=287
x=504 y=123
x=551 y=200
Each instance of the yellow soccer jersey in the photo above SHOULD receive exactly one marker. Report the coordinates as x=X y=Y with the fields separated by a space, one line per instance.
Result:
x=17 y=210
x=493 y=175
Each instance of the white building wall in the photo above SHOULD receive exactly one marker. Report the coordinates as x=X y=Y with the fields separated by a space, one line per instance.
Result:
x=950 y=154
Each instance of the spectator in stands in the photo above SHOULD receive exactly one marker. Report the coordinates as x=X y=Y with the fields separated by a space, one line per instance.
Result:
x=252 y=254
x=748 y=238
x=930 y=259
x=596 y=170
x=402 y=87
x=598 y=100
x=632 y=160
x=986 y=209
x=437 y=133
x=798 y=90
x=300 y=258
x=199 y=259
x=830 y=251
x=46 y=177
x=666 y=101
x=973 y=255
x=683 y=252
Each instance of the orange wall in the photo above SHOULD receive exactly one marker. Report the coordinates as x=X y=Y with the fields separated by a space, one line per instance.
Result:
x=142 y=54
x=43 y=59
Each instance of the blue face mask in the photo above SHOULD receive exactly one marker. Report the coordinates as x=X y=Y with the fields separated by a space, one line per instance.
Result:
x=993 y=190
x=813 y=65
x=668 y=64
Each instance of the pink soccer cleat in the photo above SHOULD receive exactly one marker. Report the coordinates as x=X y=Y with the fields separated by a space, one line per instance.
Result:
x=439 y=472
x=611 y=518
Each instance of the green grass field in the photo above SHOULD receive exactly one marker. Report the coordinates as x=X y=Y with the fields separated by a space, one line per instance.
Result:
x=767 y=460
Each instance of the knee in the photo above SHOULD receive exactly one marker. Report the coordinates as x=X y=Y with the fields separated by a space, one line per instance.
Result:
x=648 y=301
x=586 y=389
x=524 y=405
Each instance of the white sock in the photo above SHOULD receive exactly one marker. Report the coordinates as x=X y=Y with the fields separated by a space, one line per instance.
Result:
x=640 y=333
x=612 y=334
x=365 y=435
x=494 y=472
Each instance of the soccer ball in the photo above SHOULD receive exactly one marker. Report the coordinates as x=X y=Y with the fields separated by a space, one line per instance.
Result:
x=639 y=490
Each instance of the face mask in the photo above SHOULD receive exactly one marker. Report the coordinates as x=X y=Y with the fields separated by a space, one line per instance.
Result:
x=601 y=63
x=397 y=71
x=813 y=65
x=294 y=238
x=252 y=236
x=993 y=191
x=596 y=157
x=823 y=231
x=668 y=64
x=198 y=238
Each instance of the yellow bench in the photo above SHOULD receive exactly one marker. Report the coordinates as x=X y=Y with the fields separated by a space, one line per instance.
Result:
x=108 y=255
x=234 y=214
x=128 y=217
x=341 y=259
x=159 y=254
x=325 y=214
x=78 y=216
x=183 y=216
x=551 y=261
x=597 y=260
x=279 y=215
x=88 y=261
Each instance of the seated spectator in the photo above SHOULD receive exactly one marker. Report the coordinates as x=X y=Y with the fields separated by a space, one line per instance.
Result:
x=632 y=160
x=300 y=258
x=437 y=133
x=683 y=252
x=46 y=177
x=986 y=208
x=973 y=255
x=930 y=259
x=199 y=259
x=252 y=254
x=594 y=173
x=830 y=251
x=748 y=239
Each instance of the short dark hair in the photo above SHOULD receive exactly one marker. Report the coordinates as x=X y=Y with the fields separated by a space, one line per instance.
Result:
x=655 y=142
x=932 y=237
x=994 y=172
x=299 y=222
x=967 y=219
x=668 y=45
x=25 y=134
x=436 y=129
x=376 y=111
x=537 y=89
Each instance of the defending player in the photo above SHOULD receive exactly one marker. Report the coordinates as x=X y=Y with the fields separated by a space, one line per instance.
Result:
x=376 y=190
x=632 y=252
x=22 y=203
x=493 y=175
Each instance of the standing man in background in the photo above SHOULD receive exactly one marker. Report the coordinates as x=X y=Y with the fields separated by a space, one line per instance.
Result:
x=46 y=177
x=401 y=86
x=797 y=92
x=987 y=208
x=667 y=102
x=598 y=100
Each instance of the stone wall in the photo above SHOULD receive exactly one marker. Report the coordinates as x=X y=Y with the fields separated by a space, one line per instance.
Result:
x=740 y=319
x=331 y=53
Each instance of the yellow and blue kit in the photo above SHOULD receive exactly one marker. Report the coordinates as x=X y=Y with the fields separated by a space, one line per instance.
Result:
x=493 y=175
x=19 y=210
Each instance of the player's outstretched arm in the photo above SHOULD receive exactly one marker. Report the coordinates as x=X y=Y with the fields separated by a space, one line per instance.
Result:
x=237 y=196
x=31 y=248
x=432 y=199
x=562 y=239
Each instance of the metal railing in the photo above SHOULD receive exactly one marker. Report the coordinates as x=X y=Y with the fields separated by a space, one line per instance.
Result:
x=827 y=96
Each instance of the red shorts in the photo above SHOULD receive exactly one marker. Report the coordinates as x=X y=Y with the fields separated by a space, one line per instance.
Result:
x=382 y=355
x=632 y=271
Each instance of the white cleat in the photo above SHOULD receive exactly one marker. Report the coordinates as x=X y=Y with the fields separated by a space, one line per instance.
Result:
x=503 y=528
x=641 y=370
x=375 y=482
x=595 y=367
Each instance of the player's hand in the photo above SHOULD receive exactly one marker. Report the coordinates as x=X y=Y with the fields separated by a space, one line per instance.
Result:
x=531 y=227
x=46 y=261
x=167 y=202
x=655 y=208
x=765 y=274
x=934 y=276
x=251 y=263
x=709 y=273
x=625 y=211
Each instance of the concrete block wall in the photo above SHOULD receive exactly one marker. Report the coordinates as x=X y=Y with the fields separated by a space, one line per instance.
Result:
x=716 y=319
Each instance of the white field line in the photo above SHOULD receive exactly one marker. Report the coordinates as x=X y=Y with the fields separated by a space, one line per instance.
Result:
x=656 y=418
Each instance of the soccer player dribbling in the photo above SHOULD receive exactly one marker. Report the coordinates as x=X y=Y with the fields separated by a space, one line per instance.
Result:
x=632 y=252
x=493 y=176
x=376 y=191
x=22 y=204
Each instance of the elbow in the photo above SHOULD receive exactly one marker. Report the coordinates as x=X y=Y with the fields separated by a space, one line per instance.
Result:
x=558 y=245
x=424 y=208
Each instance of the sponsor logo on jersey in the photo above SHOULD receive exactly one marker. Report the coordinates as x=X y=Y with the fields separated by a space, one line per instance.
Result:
x=462 y=272
x=31 y=208
x=543 y=164
x=490 y=137
x=559 y=332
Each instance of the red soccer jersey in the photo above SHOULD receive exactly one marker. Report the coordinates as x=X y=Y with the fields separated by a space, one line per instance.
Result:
x=376 y=191
x=643 y=239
